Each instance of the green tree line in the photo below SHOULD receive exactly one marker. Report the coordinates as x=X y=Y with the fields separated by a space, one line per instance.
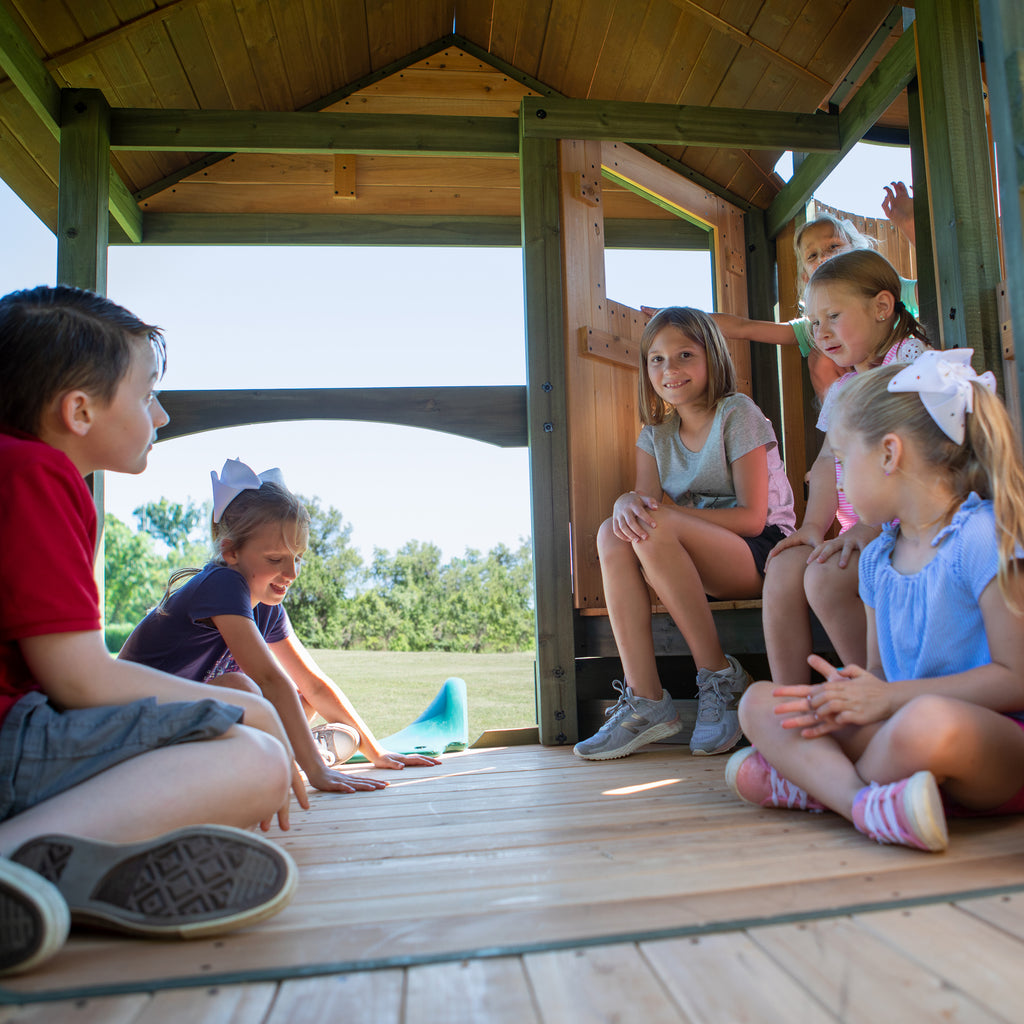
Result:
x=407 y=601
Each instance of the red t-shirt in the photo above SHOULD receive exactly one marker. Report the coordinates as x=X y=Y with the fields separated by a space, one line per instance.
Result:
x=47 y=539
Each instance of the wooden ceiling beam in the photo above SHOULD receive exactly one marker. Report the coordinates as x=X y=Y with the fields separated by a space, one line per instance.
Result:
x=28 y=73
x=395 y=67
x=124 y=209
x=31 y=78
x=258 y=131
x=364 y=229
x=493 y=414
x=668 y=124
x=870 y=101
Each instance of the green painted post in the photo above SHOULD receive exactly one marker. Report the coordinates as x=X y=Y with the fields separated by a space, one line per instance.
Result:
x=927 y=294
x=960 y=186
x=83 y=220
x=83 y=197
x=549 y=440
x=1004 y=65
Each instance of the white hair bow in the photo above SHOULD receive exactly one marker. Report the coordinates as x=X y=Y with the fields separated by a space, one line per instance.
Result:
x=944 y=382
x=236 y=477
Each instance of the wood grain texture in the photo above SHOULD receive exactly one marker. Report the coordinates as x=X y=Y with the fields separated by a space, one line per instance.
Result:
x=528 y=872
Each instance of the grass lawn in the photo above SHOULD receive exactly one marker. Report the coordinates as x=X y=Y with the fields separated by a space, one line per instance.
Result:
x=390 y=689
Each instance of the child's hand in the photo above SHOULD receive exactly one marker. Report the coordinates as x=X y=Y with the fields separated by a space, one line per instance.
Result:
x=898 y=206
x=850 y=695
x=801 y=711
x=399 y=761
x=856 y=538
x=807 y=535
x=327 y=780
x=299 y=789
x=630 y=518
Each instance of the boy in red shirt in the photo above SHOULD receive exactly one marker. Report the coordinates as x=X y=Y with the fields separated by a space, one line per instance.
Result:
x=99 y=758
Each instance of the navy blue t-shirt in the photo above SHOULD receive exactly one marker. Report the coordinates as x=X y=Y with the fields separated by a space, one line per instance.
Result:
x=180 y=637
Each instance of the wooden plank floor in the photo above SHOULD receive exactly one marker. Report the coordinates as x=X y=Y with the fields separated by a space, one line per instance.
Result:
x=524 y=884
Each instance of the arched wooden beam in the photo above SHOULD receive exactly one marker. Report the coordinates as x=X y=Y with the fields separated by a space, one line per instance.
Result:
x=495 y=415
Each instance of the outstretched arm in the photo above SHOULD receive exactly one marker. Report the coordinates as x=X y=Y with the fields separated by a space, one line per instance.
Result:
x=322 y=694
x=740 y=328
x=254 y=658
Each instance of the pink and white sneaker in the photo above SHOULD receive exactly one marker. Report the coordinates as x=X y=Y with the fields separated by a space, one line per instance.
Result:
x=904 y=813
x=753 y=779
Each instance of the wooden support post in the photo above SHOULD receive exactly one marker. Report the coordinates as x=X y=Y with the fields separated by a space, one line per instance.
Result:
x=927 y=294
x=1004 y=69
x=83 y=221
x=543 y=277
x=766 y=360
x=960 y=184
x=761 y=299
x=83 y=195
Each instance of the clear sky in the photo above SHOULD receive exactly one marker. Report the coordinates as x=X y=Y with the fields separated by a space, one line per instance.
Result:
x=269 y=317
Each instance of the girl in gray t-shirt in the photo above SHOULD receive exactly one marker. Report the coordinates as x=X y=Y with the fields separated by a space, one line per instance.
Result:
x=714 y=455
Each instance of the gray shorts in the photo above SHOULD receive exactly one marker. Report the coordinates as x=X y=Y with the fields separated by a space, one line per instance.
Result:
x=44 y=752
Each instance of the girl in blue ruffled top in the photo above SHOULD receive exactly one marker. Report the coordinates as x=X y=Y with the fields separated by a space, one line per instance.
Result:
x=935 y=722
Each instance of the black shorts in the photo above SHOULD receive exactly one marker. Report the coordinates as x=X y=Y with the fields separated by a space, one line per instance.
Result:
x=761 y=545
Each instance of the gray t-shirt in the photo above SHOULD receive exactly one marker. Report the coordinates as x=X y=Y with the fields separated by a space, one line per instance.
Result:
x=704 y=479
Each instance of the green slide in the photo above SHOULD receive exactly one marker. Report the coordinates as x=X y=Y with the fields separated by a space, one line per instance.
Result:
x=442 y=728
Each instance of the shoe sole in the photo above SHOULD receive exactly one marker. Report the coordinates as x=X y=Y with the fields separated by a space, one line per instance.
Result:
x=191 y=883
x=34 y=918
x=652 y=735
x=732 y=770
x=922 y=803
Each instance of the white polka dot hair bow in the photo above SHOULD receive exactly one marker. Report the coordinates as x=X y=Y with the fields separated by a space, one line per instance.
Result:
x=943 y=379
x=236 y=477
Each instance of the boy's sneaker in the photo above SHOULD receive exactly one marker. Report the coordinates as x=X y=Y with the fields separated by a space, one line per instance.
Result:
x=191 y=883
x=336 y=742
x=632 y=722
x=34 y=918
x=717 y=728
x=906 y=813
x=753 y=779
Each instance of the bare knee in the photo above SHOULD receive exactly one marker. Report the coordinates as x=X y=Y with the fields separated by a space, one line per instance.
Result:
x=826 y=585
x=757 y=705
x=258 y=757
x=925 y=728
x=784 y=578
x=608 y=544
x=237 y=681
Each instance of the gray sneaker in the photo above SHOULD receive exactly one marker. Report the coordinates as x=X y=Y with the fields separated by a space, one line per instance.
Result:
x=717 y=728
x=632 y=722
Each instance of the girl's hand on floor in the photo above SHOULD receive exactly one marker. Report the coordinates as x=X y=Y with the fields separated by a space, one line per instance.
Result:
x=329 y=781
x=399 y=761
x=631 y=520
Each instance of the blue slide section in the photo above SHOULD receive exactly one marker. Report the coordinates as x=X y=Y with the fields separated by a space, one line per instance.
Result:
x=442 y=728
